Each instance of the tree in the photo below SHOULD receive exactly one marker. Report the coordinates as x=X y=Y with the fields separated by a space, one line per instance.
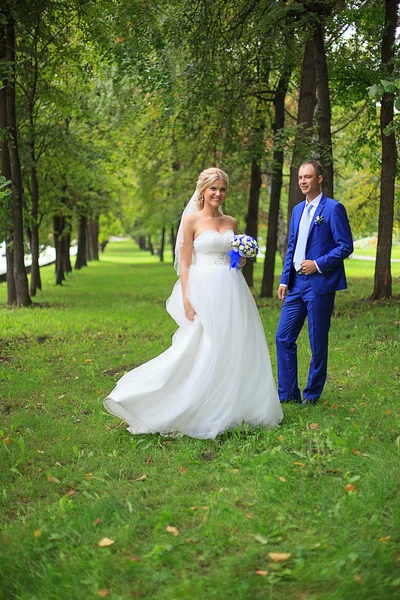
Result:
x=305 y=121
x=20 y=277
x=383 y=277
x=6 y=200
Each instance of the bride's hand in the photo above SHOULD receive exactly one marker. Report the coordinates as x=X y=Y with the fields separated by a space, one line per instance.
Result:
x=242 y=262
x=189 y=310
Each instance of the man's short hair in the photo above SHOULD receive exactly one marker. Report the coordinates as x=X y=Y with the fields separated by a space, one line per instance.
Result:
x=317 y=166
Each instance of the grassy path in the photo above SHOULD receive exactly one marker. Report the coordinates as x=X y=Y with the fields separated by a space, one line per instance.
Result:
x=309 y=511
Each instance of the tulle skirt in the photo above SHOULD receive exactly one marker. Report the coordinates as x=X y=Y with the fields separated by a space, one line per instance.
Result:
x=217 y=372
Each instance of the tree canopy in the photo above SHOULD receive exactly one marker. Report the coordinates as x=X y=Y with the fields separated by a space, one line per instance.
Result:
x=120 y=104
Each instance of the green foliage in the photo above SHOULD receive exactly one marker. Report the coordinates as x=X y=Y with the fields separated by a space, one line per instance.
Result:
x=322 y=487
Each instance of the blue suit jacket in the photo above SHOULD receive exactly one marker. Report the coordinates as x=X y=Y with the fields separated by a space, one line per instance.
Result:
x=329 y=243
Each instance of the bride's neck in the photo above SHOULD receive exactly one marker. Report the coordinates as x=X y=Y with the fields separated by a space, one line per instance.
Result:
x=210 y=212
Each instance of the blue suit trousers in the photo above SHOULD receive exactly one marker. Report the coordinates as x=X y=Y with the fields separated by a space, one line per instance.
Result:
x=302 y=302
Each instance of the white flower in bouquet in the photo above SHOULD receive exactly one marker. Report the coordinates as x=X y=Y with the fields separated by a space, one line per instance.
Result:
x=242 y=245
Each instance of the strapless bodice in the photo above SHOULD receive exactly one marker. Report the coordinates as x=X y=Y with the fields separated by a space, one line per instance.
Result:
x=211 y=248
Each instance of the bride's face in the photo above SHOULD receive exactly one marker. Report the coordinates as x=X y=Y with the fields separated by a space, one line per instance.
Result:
x=215 y=194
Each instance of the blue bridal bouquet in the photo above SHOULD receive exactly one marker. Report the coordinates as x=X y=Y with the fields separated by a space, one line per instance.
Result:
x=242 y=245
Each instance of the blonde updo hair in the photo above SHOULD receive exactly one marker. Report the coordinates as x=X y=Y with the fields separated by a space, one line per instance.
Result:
x=205 y=180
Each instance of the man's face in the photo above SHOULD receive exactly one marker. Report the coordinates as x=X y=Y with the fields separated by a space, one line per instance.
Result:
x=309 y=181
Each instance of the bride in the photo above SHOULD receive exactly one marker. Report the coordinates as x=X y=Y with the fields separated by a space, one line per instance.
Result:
x=217 y=372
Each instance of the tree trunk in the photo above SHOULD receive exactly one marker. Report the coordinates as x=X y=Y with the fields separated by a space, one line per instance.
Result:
x=149 y=245
x=81 y=255
x=383 y=275
x=282 y=235
x=6 y=172
x=36 y=283
x=267 y=285
x=58 y=225
x=305 y=118
x=173 y=242
x=94 y=238
x=20 y=277
x=66 y=244
x=252 y=216
x=323 y=109
x=162 y=245
x=11 y=291
x=88 y=244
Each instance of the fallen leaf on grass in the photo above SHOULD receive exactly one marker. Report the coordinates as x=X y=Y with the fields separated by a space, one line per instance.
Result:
x=299 y=464
x=357 y=452
x=279 y=556
x=148 y=459
x=261 y=539
x=357 y=578
x=315 y=546
x=52 y=479
x=352 y=410
x=191 y=541
x=70 y=492
x=89 y=476
x=334 y=405
x=173 y=530
x=313 y=426
x=282 y=479
x=97 y=521
x=350 y=487
x=103 y=593
x=182 y=469
x=134 y=558
x=388 y=412
x=41 y=451
x=249 y=515
x=105 y=542
x=262 y=573
x=37 y=533
x=141 y=478
x=385 y=539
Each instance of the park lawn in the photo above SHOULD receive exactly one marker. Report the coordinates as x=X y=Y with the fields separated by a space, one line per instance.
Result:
x=395 y=254
x=307 y=511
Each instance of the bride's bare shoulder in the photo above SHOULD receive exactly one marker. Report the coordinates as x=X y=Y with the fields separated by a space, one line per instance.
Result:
x=190 y=220
x=231 y=221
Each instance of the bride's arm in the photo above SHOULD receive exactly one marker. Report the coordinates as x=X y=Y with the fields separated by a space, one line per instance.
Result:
x=185 y=262
x=235 y=230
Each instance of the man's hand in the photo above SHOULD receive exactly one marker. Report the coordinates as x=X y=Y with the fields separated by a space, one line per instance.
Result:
x=282 y=292
x=308 y=267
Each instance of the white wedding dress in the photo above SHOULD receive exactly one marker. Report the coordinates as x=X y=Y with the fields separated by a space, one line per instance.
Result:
x=217 y=372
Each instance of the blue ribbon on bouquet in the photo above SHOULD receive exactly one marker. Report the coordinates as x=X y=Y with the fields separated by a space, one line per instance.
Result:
x=235 y=259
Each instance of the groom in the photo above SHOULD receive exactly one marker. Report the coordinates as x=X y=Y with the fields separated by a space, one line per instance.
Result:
x=319 y=241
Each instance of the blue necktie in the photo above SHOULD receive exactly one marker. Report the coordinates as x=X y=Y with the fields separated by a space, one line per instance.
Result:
x=300 y=251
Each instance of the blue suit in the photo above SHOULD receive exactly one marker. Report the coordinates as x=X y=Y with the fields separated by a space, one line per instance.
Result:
x=329 y=243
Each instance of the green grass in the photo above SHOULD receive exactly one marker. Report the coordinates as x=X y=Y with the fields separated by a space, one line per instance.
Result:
x=71 y=475
x=371 y=251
